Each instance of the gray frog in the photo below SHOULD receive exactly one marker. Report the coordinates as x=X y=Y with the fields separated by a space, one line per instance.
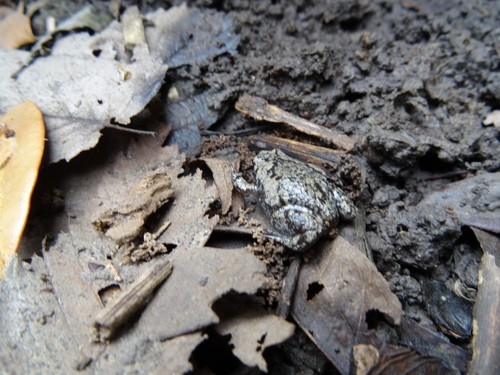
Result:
x=300 y=201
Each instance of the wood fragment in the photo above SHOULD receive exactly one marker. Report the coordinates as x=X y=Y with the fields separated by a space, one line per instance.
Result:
x=307 y=152
x=130 y=301
x=259 y=109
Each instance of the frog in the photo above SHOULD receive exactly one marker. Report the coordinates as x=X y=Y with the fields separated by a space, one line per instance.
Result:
x=299 y=199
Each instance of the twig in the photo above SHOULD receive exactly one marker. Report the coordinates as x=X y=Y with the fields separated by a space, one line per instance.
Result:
x=260 y=109
x=130 y=301
x=131 y=130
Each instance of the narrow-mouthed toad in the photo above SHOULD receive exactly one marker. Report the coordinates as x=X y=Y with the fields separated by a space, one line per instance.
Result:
x=301 y=202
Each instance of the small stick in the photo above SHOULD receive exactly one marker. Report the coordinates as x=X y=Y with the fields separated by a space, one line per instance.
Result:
x=119 y=311
x=132 y=130
x=260 y=109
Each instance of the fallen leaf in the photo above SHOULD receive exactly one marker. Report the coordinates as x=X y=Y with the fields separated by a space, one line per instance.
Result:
x=19 y=174
x=335 y=292
x=7 y=144
x=79 y=93
x=252 y=331
x=221 y=170
x=15 y=29
x=183 y=35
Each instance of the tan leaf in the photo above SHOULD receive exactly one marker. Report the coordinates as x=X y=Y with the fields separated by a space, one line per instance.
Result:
x=19 y=174
x=15 y=29
x=221 y=171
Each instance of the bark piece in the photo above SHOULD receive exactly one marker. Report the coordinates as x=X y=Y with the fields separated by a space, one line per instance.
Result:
x=130 y=301
x=261 y=110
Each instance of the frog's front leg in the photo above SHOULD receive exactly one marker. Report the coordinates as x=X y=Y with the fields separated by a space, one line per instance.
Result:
x=242 y=185
x=346 y=208
x=296 y=227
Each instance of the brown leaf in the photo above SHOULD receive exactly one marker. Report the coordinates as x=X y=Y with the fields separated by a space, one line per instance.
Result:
x=221 y=171
x=19 y=174
x=335 y=292
x=15 y=29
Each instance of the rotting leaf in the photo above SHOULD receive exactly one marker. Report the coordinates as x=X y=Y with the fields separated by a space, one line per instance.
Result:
x=24 y=124
x=201 y=276
x=15 y=29
x=252 y=332
x=335 y=317
x=221 y=170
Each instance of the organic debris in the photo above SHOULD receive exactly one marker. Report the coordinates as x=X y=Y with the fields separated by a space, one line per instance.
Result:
x=261 y=110
x=15 y=29
x=339 y=294
x=22 y=141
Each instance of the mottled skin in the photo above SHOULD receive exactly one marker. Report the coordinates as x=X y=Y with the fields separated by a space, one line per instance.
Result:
x=302 y=204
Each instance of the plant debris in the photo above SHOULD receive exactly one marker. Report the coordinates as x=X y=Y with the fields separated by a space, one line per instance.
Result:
x=22 y=141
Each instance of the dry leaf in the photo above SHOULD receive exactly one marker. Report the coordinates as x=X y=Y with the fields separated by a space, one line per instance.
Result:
x=252 y=332
x=15 y=29
x=19 y=174
x=7 y=144
x=335 y=292
x=221 y=170
x=80 y=87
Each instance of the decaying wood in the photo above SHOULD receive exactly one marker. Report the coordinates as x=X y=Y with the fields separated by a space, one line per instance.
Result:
x=305 y=151
x=261 y=110
x=129 y=302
